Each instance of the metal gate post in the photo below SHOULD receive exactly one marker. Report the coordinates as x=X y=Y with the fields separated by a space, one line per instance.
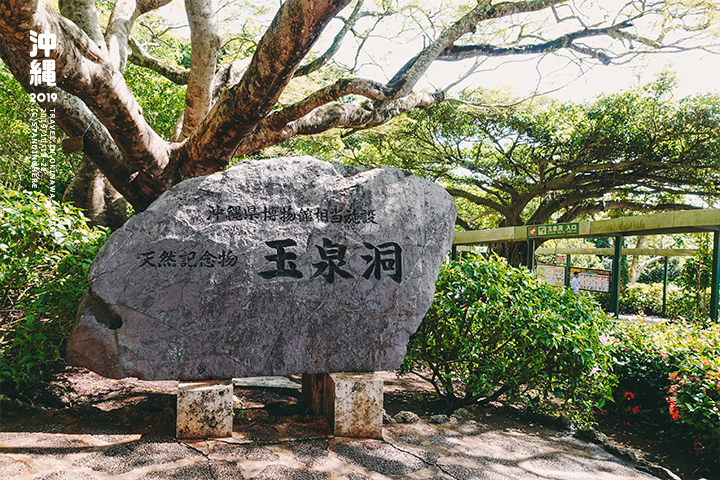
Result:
x=568 y=266
x=665 y=287
x=615 y=278
x=715 y=277
x=531 y=255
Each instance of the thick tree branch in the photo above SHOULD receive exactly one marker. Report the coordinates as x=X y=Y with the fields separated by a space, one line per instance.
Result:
x=496 y=188
x=654 y=44
x=206 y=42
x=228 y=75
x=330 y=52
x=333 y=115
x=85 y=16
x=120 y=25
x=242 y=107
x=406 y=78
x=463 y=223
x=118 y=31
x=145 y=6
x=140 y=57
x=457 y=192
x=358 y=86
x=462 y=52
x=641 y=266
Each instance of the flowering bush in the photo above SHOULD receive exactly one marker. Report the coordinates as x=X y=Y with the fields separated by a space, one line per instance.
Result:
x=669 y=380
x=694 y=394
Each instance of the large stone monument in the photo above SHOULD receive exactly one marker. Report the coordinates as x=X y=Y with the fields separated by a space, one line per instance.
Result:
x=273 y=267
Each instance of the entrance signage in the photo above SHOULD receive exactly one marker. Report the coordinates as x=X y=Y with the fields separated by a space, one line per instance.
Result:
x=553 y=230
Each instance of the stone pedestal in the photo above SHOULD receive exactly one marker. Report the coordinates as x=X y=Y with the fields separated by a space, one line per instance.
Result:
x=352 y=402
x=204 y=409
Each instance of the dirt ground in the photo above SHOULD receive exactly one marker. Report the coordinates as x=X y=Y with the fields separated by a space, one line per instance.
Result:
x=79 y=396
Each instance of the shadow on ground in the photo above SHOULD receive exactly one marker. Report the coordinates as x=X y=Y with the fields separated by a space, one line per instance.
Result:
x=125 y=430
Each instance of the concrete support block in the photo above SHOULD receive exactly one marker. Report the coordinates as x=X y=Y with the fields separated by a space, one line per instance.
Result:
x=204 y=409
x=313 y=391
x=352 y=402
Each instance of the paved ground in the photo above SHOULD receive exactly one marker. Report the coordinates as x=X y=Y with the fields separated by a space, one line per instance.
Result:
x=123 y=429
x=301 y=449
x=644 y=318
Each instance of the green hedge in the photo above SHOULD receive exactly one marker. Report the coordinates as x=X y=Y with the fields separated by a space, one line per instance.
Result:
x=496 y=333
x=647 y=298
x=45 y=253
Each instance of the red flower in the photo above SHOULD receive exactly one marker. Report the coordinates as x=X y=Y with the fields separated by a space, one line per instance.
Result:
x=674 y=413
x=629 y=396
x=635 y=409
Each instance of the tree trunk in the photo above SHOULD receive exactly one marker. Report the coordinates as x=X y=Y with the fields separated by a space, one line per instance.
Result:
x=92 y=193
x=635 y=270
x=514 y=252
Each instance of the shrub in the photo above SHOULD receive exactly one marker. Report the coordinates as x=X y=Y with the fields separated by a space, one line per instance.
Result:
x=669 y=380
x=45 y=252
x=646 y=298
x=695 y=279
x=496 y=333
x=641 y=298
x=694 y=401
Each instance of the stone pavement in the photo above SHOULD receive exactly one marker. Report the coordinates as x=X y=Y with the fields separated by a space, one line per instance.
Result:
x=461 y=447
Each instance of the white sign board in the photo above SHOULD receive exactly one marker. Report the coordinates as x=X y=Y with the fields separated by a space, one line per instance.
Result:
x=551 y=274
x=593 y=280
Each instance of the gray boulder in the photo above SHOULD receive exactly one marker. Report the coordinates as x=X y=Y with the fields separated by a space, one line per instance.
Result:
x=273 y=267
x=406 y=416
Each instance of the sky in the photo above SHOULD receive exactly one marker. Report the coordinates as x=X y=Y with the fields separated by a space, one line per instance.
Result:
x=696 y=71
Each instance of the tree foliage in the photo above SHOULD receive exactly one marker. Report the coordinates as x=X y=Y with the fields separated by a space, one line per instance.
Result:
x=237 y=86
x=695 y=279
x=45 y=253
x=17 y=135
x=532 y=164
x=639 y=150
